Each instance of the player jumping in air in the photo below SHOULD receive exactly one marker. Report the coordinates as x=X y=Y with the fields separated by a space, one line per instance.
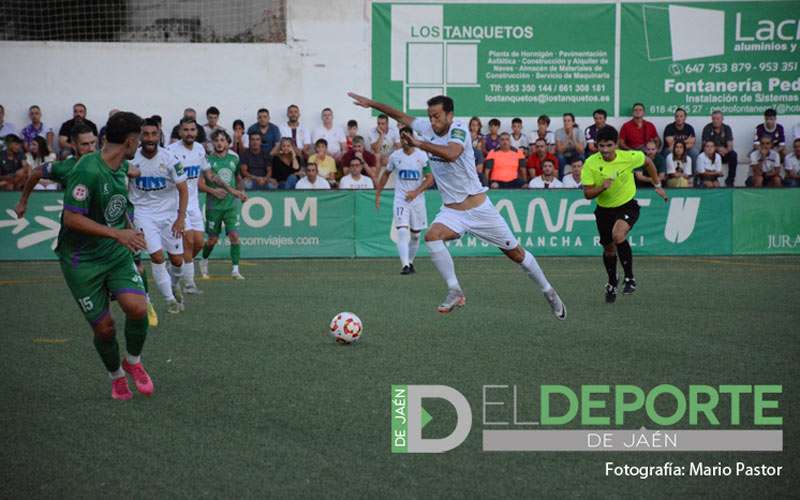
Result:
x=608 y=176
x=466 y=206
x=159 y=196
x=410 y=215
x=94 y=249
x=222 y=207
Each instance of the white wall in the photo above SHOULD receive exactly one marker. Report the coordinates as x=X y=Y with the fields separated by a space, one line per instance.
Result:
x=327 y=53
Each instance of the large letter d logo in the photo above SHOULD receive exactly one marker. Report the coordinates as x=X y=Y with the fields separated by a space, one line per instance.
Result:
x=418 y=417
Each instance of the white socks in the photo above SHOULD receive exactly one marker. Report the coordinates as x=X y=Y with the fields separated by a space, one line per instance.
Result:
x=403 y=242
x=163 y=280
x=188 y=273
x=175 y=273
x=117 y=374
x=134 y=360
x=413 y=246
x=531 y=267
x=235 y=268
x=444 y=263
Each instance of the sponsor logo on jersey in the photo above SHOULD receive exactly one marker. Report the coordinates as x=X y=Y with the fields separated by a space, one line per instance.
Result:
x=80 y=192
x=115 y=208
x=192 y=171
x=458 y=134
x=150 y=183
x=408 y=175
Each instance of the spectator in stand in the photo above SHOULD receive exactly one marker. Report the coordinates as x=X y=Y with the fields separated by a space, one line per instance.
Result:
x=312 y=180
x=722 y=136
x=6 y=128
x=491 y=141
x=569 y=143
x=285 y=165
x=600 y=116
x=325 y=164
x=256 y=165
x=519 y=140
x=679 y=166
x=543 y=132
x=506 y=166
x=772 y=129
x=13 y=167
x=548 y=179
x=709 y=165
x=640 y=174
x=637 y=131
x=241 y=140
x=38 y=154
x=354 y=180
x=334 y=136
x=188 y=113
x=792 y=166
x=765 y=164
x=78 y=116
x=352 y=132
x=573 y=179
x=368 y=160
x=37 y=128
x=475 y=127
x=539 y=155
x=101 y=139
x=211 y=126
x=294 y=130
x=383 y=140
x=270 y=133
x=679 y=130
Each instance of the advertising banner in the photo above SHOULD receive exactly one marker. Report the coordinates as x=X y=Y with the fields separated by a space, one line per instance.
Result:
x=766 y=221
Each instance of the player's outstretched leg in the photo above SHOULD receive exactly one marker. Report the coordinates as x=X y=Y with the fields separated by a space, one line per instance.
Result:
x=164 y=282
x=413 y=247
x=527 y=262
x=133 y=305
x=403 y=242
x=443 y=262
x=236 y=252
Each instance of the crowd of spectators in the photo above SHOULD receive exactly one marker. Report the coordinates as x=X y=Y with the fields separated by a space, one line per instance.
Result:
x=290 y=155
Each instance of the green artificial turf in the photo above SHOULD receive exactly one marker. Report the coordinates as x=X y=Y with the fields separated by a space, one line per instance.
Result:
x=253 y=399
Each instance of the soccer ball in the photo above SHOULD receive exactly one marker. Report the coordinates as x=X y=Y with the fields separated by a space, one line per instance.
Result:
x=346 y=328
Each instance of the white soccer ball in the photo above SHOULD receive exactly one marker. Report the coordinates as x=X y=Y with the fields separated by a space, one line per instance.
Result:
x=346 y=328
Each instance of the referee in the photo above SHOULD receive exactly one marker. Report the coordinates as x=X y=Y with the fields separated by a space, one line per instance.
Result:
x=608 y=176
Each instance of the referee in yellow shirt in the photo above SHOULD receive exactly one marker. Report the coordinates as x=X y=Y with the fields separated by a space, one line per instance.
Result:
x=608 y=176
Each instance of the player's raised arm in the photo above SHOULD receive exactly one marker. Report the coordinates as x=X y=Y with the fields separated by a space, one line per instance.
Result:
x=449 y=153
x=394 y=113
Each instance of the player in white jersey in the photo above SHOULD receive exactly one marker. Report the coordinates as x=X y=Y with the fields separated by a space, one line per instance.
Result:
x=410 y=215
x=159 y=196
x=466 y=206
x=193 y=158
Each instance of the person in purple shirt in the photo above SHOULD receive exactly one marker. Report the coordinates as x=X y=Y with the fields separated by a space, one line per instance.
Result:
x=772 y=129
x=491 y=141
x=37 y=129
x=590 y=134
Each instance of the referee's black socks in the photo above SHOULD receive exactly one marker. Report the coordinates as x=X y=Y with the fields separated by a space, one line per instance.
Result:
x=610 y=262
x=626 y=258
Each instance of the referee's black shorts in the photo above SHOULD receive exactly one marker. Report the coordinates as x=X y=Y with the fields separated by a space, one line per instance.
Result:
x=606 y=217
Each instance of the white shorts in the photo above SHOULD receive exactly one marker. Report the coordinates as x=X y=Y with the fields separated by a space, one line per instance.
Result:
x=411 y=215
x=483 y=221
x=194 y=220
x=158 y=234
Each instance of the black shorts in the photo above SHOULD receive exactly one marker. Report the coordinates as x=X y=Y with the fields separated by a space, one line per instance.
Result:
x=606 y=217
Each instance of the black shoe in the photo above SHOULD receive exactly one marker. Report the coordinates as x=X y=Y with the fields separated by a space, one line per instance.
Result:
x=406 y=270
x=630 y=286
x=411 y=266
x=611 y=294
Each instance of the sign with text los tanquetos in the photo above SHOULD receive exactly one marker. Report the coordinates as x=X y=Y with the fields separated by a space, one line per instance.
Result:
x=494 y=59
x=739 y=57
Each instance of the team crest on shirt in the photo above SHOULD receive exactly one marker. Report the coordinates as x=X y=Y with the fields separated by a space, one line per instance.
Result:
x=80 y=192
x=226 y=175
x=115 y=208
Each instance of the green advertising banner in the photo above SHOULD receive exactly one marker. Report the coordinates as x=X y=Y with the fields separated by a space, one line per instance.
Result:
x=547 y=222
x=280 y=224
x=494 y=59
x=739 y=57
x=561 y=222
x=766 y=221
